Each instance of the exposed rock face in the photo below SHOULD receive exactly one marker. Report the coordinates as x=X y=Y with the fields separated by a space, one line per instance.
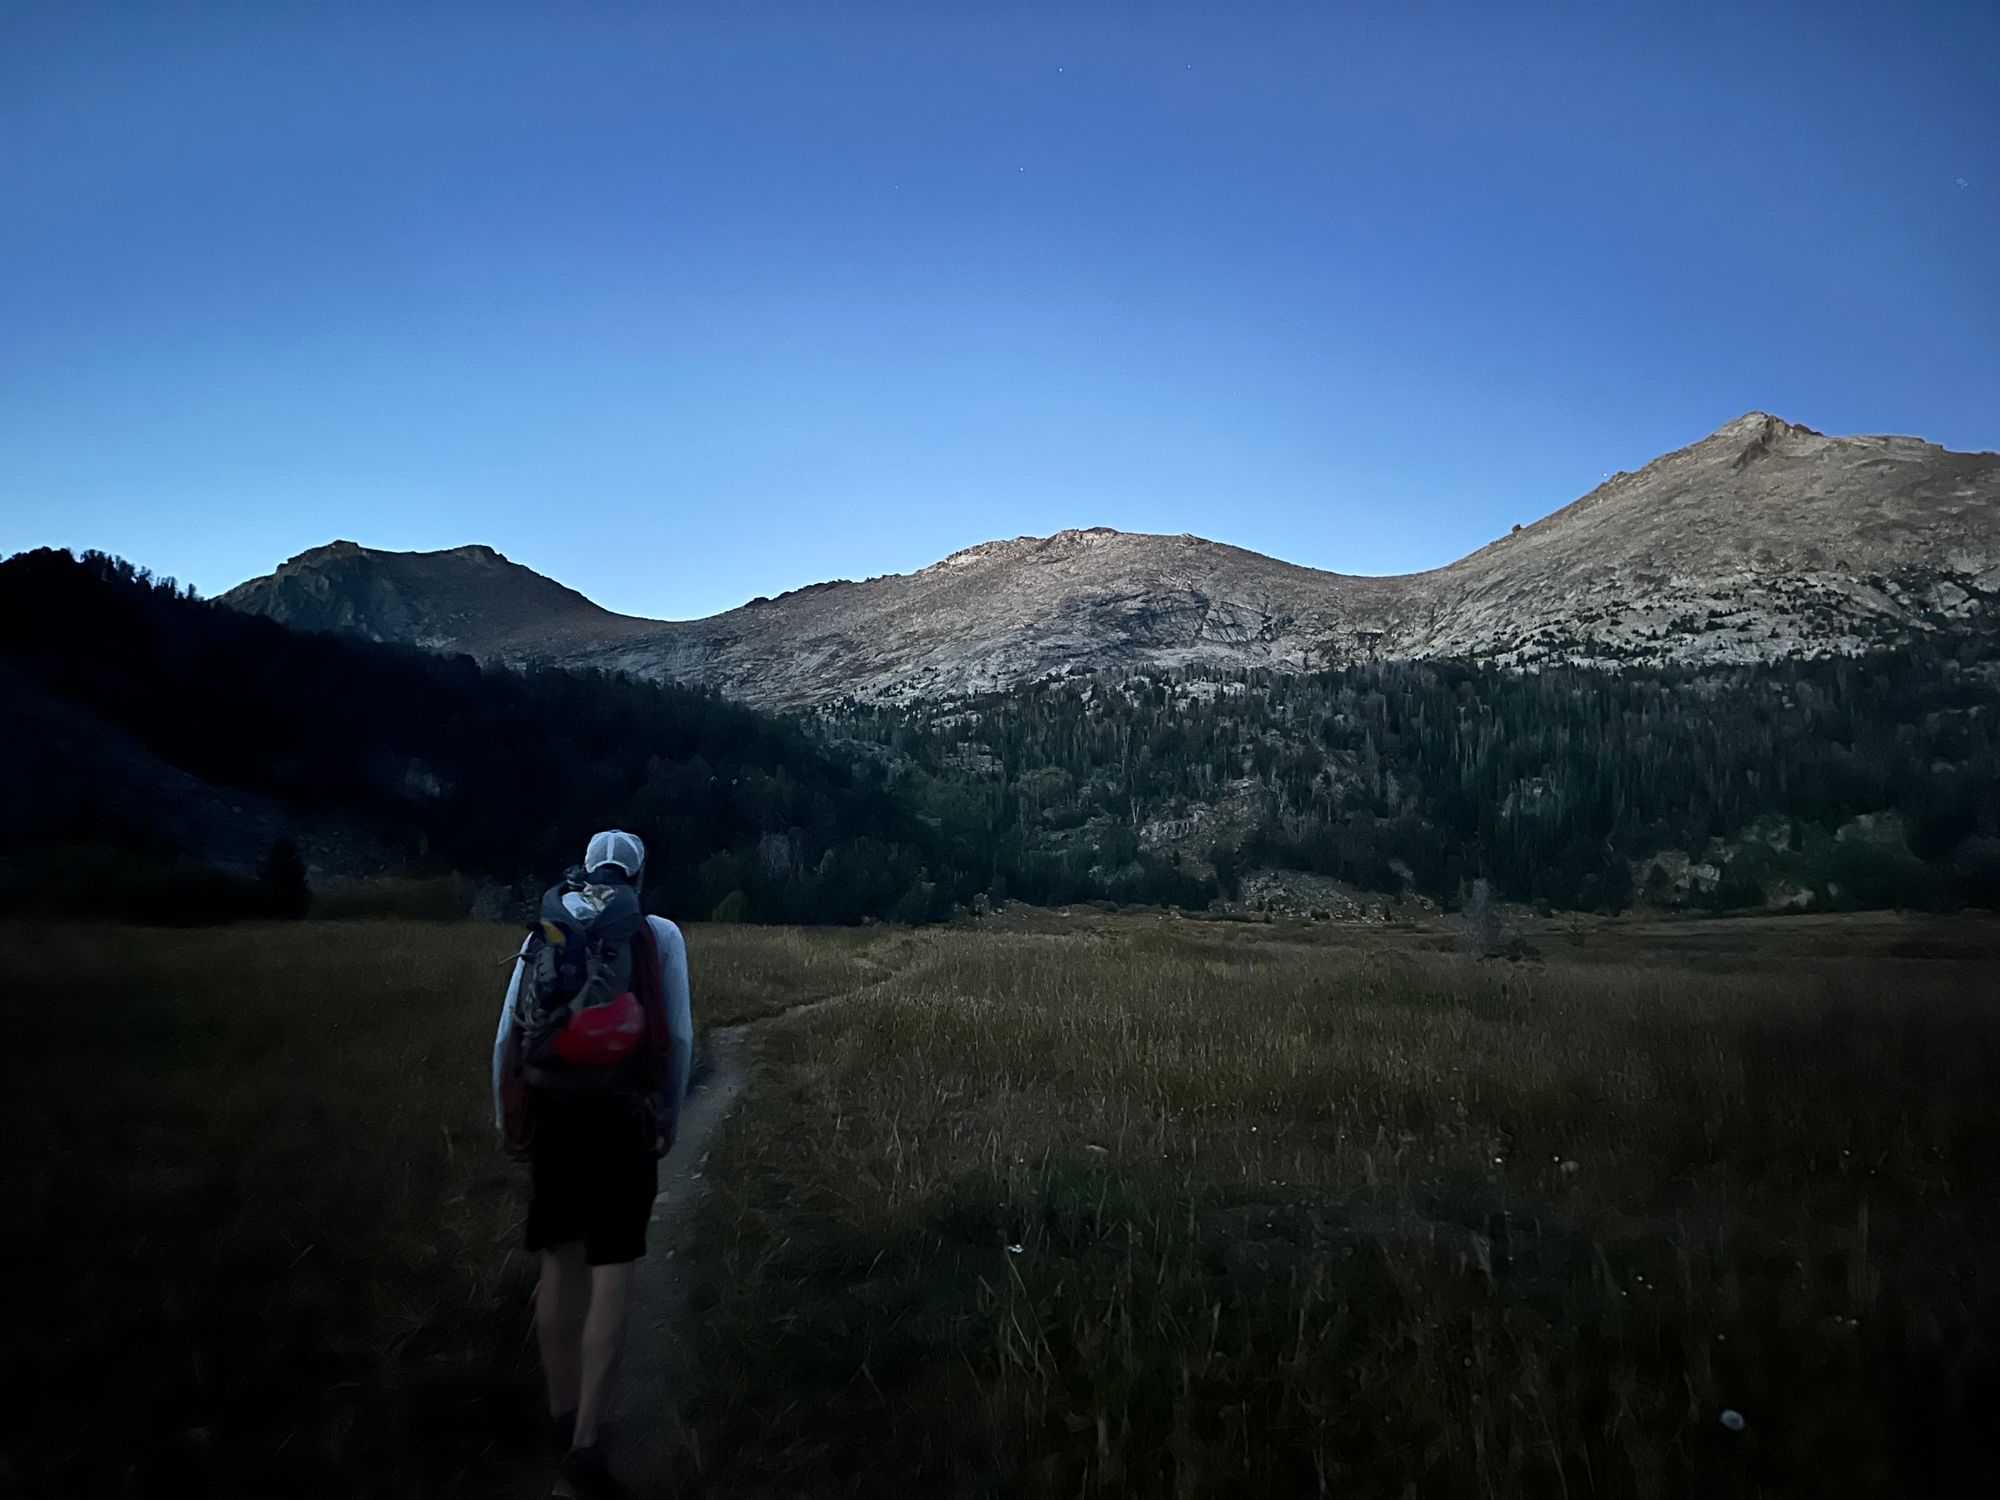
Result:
x=1763 y=540
x=468 y=599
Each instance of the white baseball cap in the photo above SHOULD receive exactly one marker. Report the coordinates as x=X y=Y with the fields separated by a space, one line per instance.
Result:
x=614 y=846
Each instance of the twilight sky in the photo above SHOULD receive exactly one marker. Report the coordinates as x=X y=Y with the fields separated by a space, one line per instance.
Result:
x=683 y=303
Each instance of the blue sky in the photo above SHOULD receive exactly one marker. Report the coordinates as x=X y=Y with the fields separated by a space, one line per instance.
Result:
x=686 y=303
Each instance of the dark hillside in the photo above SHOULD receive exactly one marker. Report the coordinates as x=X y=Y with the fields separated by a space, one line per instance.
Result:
x=180 y=732
x=151 y=724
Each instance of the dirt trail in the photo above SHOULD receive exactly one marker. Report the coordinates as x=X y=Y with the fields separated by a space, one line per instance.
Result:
x=657 y=1377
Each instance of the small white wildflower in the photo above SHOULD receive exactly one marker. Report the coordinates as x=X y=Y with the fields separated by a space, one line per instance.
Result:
x=1013 y=1249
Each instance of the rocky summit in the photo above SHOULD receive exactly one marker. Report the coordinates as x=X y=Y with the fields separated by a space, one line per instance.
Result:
x=1763 y=541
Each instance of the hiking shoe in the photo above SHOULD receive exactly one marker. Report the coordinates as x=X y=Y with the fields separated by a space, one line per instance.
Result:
x=585 y=1475
x=562 y=1432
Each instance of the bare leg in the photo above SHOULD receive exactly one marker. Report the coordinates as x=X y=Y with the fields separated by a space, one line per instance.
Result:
x=560 y=1301
x=603 y=1337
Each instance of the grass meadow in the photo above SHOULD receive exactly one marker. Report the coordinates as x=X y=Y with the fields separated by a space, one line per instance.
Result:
x=258 y=1239
x=1069 y=1205
x=1141 y=1207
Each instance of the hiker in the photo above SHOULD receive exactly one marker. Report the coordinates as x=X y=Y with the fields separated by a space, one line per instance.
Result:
x=590 y=1066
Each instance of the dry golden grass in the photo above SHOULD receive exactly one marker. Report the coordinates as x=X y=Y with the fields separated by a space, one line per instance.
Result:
x=259 y=1240
x=745 y=973
x=1156 y=1208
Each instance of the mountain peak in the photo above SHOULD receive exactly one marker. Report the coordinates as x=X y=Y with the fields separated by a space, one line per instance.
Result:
x=1761 y=424
x=1765 y=539
x=326 y=552
x=341 y=547
x=468 y=597
x=1061 y=542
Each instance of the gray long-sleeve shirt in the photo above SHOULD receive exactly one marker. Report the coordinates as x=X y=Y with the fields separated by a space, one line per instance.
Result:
x=680 y=1020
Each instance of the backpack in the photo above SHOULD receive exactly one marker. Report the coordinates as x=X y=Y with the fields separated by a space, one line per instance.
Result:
x=579 y=1013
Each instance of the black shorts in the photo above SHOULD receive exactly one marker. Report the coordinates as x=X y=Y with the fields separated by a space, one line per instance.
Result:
x=595 y=1175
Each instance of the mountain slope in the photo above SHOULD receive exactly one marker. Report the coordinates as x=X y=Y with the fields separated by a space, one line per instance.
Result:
x=174 y=728
x=1802 y=543
x=1763 y=541
x=466 y=599
x=155 y=729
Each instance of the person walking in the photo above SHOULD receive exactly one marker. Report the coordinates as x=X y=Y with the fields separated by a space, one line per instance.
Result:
x=590 y=1068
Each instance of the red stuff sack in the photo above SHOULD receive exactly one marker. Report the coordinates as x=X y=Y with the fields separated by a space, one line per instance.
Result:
x=602 y=1036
